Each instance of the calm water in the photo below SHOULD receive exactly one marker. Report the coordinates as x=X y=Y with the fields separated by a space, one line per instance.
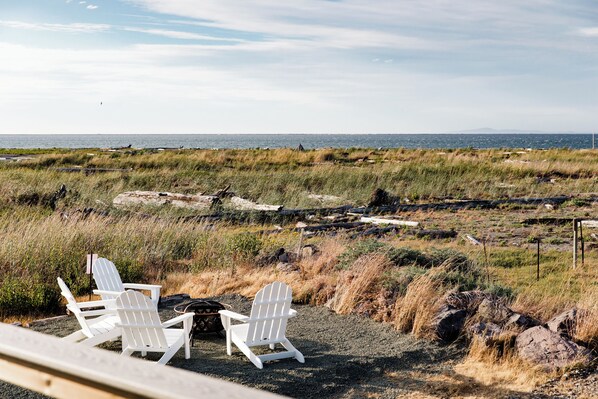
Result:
x=293 y=140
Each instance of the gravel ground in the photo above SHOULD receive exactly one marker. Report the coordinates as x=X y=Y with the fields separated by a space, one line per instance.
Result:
x=345 y=357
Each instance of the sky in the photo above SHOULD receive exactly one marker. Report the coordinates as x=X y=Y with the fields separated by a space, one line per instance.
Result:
x=297 y=66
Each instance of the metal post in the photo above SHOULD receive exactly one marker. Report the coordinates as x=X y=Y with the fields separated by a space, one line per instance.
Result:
x=574 y=243
x=582 y=242
x=538 y=261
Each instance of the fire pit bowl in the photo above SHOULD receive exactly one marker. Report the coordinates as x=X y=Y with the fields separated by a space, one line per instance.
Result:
x=206 y=319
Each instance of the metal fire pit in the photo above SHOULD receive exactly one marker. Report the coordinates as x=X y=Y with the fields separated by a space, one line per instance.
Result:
x=206 y=319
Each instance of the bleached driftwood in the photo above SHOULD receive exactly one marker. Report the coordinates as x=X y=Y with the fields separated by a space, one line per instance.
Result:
x=589 y=223
x=472 y=239
x=246 y=205
x=198 y=202
x=375 y=220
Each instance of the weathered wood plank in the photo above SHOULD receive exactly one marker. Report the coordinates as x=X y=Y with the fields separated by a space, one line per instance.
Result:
x=244 y=204
x=590 y=223
x=375 y=220
x=61 y=369
x=197 y=202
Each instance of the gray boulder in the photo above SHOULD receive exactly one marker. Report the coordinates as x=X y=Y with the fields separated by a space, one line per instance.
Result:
x=449 y=323
x=520 y=321
x=485 y=331
x=495 y=311
x=564 y=323
x=468 y=300
x=539 y=345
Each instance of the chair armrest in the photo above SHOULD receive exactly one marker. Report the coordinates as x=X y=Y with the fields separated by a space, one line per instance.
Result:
x=108 y=293
x=95 y=304
x=99 y=312
x=233 y=315
x=135 y=286
x=179 y=319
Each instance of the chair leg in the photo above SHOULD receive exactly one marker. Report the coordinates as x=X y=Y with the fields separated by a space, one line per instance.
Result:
x=172 y=351
x=250 y=355
x=288 y=346
x=272 y=346
x=229 y=346
x=127 y=352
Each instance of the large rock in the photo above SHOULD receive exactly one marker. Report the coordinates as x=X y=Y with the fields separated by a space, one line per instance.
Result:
x=495 y=311
x=564 y=323
x=449 y=323
x=468 y=300
x=485 y=331
x=548 y=349
x=519 y=321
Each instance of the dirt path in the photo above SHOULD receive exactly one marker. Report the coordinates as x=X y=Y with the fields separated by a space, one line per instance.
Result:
x=346 y=357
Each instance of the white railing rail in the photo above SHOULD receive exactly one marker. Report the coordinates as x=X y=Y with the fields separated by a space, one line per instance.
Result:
x=59 y=369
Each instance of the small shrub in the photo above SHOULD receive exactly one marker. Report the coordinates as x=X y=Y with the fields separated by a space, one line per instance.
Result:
x=397 y=280
x=358 y=249
x=408 y=257
x=244 y=245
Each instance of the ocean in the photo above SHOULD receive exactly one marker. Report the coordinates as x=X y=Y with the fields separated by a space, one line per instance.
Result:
x=308 y=141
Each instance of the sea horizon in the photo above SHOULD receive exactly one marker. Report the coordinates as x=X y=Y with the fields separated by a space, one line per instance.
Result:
x=481 y=140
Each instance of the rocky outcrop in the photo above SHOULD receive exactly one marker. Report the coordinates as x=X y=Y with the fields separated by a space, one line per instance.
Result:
x=564 y=323
x=485 y=331
x=449 y=323
x=494 y=311
x=467 y=300
x=539 y=345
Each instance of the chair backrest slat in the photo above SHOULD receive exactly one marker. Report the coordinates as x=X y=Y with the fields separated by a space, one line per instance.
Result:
x=140 y=322
x=269 y=313
x=106 y=276
x=73 y=306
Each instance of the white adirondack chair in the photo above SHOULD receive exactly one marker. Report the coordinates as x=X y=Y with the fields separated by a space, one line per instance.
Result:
x=97 y=326
x=111 y=286
x=144 y=332
x=266 y=325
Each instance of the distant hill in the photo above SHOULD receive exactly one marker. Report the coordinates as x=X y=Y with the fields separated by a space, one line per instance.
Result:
x=488 y=130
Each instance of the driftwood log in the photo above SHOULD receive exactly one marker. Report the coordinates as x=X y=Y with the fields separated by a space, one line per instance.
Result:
x=197 y=202
x=246 y=205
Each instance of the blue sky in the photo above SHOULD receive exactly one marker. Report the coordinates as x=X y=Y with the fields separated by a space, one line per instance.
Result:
x=301 y=66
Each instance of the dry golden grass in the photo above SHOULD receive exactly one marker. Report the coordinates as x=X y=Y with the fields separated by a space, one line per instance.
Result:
x=359 y=284
x=415 y=311
x=587 y=321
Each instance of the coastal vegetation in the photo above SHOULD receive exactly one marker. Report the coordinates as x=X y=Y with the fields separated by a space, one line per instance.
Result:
x=395 y=277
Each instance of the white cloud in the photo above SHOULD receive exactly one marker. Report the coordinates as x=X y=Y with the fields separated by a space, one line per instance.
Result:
x=588 y=32
x=178 y=34
x=82 y=2
x=72 y=27
x=91 y=7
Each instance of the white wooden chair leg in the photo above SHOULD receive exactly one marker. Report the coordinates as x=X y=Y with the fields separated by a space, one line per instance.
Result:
x=252 y=357
x=229 y=345
x=298 y=355
x=127 y=352
x=143 y=353
x=272 y=346
x=171 y=351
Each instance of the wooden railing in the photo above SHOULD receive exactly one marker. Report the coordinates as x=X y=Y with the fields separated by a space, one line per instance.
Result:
x=59 y=369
